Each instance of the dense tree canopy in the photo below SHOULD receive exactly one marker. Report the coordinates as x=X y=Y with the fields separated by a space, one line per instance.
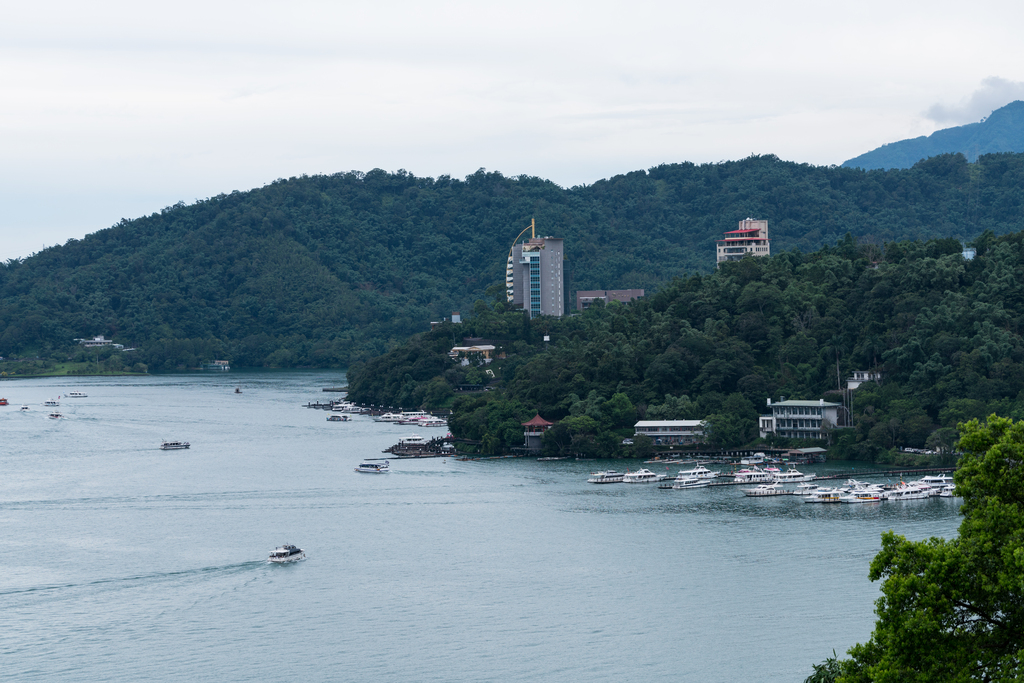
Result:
x=945 y=332
x=322 y=270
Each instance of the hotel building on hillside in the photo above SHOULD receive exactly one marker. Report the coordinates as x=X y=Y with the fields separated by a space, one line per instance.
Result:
x=585 y=297
x=801 y=419
x=751 y=238
x=535 y=276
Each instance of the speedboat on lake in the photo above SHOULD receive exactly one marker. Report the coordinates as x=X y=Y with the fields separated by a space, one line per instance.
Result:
x=374 y=467
x=642 y=476
x=174 y=445
x=287 y=553
x=77 y=394
x=55 y=415
x=339 y=417
x=606 y=477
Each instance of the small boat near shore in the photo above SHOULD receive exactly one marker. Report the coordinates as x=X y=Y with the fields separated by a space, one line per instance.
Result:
x=174 y=445
x=287 y=553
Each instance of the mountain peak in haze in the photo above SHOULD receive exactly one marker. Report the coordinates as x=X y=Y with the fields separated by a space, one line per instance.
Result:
x=1001 y=131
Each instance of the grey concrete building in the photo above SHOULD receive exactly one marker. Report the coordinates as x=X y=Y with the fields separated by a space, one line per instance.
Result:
x=585 y=297
x=537 y=282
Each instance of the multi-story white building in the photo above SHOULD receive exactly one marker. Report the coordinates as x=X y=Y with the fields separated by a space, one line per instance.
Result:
x=751 y=238
x=671 y=431
x=860 y=377
x=535 y=276
x=800 y=419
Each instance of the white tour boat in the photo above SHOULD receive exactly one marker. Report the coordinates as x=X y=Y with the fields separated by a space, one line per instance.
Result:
x=374 y=467
x=755 y=459
x=805 y=489
x=690 y=482
x=699 y=472
x=642 y=476
x=825 y=496
x=287 y=553
x=410 y=441
x=51 y=403
x=753 y=475
x=791 y=476
x=907 y=492
x=77 y=394
x=605 y=477
x=863 y=494
x=338 y=418
x=388 y=417
x=174 y=445
x=766 y=490
x=55 y=415
x=936 y=479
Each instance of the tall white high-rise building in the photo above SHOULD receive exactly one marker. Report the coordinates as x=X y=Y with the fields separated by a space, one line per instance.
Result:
x=534 y=277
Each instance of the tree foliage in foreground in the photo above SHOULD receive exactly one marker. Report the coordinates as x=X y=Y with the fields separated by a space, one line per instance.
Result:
x=953 y=611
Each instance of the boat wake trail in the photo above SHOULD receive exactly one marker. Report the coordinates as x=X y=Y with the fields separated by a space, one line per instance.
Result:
x=140 y=579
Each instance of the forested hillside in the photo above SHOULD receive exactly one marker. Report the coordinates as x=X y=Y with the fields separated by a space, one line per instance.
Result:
x=323 y=270
x=945 y=332
x=1002 y=131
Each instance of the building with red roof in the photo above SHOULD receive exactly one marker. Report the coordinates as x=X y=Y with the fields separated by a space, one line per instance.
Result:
x=534 y=430
x=751 y=238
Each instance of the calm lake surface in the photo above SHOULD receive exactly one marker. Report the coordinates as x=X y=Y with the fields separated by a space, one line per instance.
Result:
x=127 y=563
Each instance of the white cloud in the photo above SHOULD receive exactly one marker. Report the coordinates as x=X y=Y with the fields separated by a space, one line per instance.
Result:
x=994 y=93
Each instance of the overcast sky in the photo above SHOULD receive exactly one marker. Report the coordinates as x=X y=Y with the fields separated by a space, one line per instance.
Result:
x=118 y=109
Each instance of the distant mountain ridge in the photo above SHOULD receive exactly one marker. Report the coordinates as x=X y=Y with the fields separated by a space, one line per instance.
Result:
x=1002 y=131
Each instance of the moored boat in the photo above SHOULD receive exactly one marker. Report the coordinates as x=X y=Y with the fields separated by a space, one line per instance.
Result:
x=388 y=417
x=766 y=490
x=825 y=496
x=700 y=472
x=174 y=445
x=287 y=553
x=753 y=475
x=791 y=476
x=642 y=476
x=690 y=482
x=605 y=477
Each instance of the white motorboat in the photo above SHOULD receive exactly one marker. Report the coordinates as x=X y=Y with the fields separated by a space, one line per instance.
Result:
x=755 y=459
x=605 y=477
x=287 y=553
x=51 y=403
x=825 y=496
x=374 y=467
x=936 y=479
x=863 y=494
x=642 y=476
x=791 y=476
x=433 y=422
x=24 y=408
x=338 y=417
x=766 y=490
x=948 y=491
x=55 y=415
x=805 y=489
x=700 y=472
x=907 y=491
x=174 y=445
x=77 y=394
x=388 y=417
x=690 y=482
x=753 y=475
x=411 y=441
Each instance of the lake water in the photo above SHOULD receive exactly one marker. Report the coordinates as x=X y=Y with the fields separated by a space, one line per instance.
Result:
x=127 y=563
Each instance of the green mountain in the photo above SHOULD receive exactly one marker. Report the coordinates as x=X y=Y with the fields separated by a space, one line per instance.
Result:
x=324 y=270
x=946 y=334
x=1002 y=131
